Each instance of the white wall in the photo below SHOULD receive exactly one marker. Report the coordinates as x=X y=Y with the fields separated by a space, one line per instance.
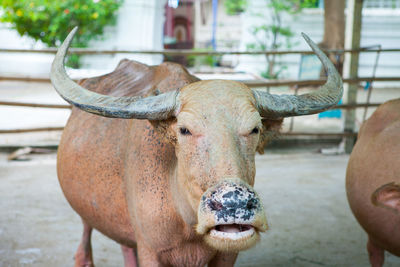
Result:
x=228 y=31
x=378 y=27
x=140 y=26
x=18 y=64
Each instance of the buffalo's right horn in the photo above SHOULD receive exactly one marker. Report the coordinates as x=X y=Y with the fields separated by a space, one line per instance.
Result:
x=158 y=107
x=280 y=106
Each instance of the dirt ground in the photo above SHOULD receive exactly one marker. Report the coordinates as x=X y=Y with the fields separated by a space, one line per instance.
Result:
x=303 y=193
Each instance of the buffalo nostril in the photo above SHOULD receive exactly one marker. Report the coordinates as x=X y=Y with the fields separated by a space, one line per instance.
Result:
x=215 y=205
x=252 y=204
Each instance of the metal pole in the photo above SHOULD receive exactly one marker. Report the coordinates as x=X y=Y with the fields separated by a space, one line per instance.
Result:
x=352 y=40
x=369 y=87
x=214 y=24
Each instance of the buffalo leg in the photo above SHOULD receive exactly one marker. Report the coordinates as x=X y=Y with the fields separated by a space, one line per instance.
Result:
x=223 y=260
x=83 y=256
x=129 y=256
x=375 y=253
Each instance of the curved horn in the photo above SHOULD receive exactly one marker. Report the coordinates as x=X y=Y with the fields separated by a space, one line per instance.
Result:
x=158 y=107
x=328 y=95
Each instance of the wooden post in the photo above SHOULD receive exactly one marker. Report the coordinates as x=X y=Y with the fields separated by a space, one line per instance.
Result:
x=334 y=31
x=352 y=40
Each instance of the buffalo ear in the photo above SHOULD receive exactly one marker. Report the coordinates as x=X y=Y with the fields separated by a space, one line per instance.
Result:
x=164 y=128
x=387 y=196
x=270 y=130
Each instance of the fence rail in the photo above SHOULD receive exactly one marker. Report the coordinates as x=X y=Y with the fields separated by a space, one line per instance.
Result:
x=57 y=106
x=49 y=129
x=252 y=84
x=30 y=130
x=24 y=79
x=34 y=105
x=249 y=83
x=186 y=52
x=392 y=4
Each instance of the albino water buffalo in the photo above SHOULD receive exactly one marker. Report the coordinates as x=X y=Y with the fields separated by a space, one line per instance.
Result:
x=170 y=177
x=372 y=181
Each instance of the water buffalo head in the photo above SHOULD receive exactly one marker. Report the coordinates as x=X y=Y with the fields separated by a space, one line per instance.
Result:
x=217 y=133
x=216 y=127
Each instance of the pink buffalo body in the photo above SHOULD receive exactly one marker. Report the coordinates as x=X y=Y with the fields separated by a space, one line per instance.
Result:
x=170 y=175
x=373 y=175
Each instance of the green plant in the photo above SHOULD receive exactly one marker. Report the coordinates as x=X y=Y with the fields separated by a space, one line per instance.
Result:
x=233 y=7
x=203 y=60
x=50 y=21
x=273 y=34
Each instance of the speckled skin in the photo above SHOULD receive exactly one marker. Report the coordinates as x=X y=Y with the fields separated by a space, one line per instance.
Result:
x=140 y=183
x=230 y=202
x=374 y=162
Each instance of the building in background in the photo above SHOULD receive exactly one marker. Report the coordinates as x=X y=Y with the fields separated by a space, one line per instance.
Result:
x=156 y=24
x=178 y=25
x=380 y=26
x=139 y=27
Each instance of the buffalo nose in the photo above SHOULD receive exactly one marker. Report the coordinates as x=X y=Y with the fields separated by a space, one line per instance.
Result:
x=232 y=201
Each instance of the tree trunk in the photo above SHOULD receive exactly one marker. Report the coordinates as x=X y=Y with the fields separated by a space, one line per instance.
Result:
x=334 y=30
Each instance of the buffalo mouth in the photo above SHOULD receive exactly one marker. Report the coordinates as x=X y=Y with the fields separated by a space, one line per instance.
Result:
x=232 y=231
x=232 y=237
x=231 y=216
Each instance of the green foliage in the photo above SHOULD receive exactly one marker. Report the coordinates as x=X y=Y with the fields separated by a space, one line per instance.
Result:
x=273 y=34
x=50 y=21
x=233 y=7
x=309 y=3
x=206 y=60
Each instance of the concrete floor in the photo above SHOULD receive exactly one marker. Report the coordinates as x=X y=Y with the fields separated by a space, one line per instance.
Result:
x=303 y=193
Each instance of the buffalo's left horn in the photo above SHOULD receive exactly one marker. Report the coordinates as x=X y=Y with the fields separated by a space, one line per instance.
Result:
x=328 y=95
x=158 y=107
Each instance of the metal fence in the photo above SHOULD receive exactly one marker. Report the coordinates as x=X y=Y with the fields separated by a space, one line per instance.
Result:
x=382 y=3
x=251 y=83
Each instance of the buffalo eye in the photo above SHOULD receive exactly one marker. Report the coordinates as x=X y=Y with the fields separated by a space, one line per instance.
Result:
x=184 y=131
x=255 y=131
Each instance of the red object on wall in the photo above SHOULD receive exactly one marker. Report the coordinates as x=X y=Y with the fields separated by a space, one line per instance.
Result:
x=178 y=25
